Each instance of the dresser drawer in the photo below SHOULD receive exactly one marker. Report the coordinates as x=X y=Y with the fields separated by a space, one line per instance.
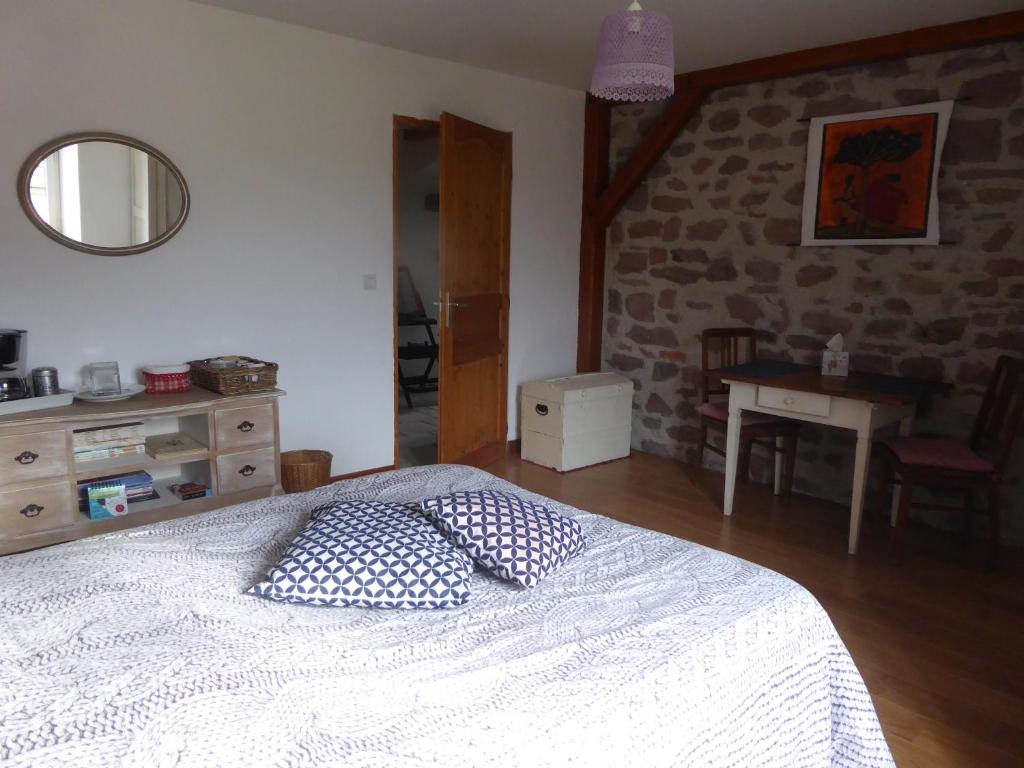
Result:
x=249 y=469
x=33 y=456
x=797 y=402
x=239 y=427
x=40 y=508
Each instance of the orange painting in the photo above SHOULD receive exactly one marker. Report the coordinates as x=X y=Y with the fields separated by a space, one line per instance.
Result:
x=875 y=178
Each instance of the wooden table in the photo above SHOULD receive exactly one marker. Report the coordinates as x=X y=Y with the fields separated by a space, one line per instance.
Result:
x=861 y=402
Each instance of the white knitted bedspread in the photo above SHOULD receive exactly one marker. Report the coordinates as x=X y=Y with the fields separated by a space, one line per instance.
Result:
x=141 y=649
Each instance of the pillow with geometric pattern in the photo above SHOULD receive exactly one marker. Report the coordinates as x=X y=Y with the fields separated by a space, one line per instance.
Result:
x=369 y=554
x=512 y=538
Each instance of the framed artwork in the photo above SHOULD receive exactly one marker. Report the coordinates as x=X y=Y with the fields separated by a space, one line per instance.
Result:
x=872 y=177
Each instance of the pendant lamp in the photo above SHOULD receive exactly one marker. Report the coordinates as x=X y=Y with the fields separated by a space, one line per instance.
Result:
x=634 y=57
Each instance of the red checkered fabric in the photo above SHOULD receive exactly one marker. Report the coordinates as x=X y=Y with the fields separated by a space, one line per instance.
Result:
x=164 y=383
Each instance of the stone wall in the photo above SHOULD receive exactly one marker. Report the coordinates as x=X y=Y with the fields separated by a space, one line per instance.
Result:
x=704 y=242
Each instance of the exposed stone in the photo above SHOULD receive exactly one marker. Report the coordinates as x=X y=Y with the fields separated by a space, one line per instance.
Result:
x=743 y=308
x=919 y=285
x=708 y=230
x=973 y=373
x=649 y=228
x=775 y=166
x=888 y=69
x=621 y=362
x=929 y=368
x=747 y=232
x=839 y=105
x=863 y=362
x=808 y=89
x=768 y=115
x=795 y=194
x=825 y=323
x=720 y=203
x=698 y=305
x=657 y=449
x=753 y=198
x=727 y=142
x=1005 y=267
x=763 y=270
x=682 y=148
x=664 y=371
x=973 y=141
x=631 y=261
x=782 y=231
x=676 y=274
x=813 y=274
x=722 y=270
x=1002 y=89
x=733 y=92
x=897 y=305
x=798 y=138
x=638 y=200
x=658 y=336
x=998 y=196
x=701 y=165
x=656 y=404
x=909 y=96
x=980 y=287
x=652 y=423
x=945 y=330
x=670 y=204
x=1011 y=341
x=656 y=255
x=690 y=255
x=802 y=342
x=673 y=228
x=667 y=298
x=640 y=306
x=998 y=239
x=885 y=327
x=760 y=141
x=614 y=302
x=726 y=120
x=734 y=164
x=971 y=174
x=971 y=59
x=683 y=433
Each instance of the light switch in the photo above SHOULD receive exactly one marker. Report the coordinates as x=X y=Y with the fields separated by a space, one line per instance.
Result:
x=369 y=282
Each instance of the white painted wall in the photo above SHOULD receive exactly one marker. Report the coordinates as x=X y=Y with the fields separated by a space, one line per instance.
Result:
x=284 y=135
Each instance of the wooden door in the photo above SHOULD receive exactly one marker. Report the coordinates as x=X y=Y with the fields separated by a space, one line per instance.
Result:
x=475 y=191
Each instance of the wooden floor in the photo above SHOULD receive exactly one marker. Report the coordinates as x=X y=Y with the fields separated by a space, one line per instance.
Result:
x=939 y=640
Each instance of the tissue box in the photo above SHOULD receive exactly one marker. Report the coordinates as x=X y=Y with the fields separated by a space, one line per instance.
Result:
x=835 y=363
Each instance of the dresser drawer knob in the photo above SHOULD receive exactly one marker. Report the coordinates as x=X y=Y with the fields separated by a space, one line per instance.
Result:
x=247 y=471
x=246 y=426
x=32 y=510
x=26 y=457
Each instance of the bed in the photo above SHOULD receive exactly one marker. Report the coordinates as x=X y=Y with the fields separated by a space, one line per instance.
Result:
x=140 y=648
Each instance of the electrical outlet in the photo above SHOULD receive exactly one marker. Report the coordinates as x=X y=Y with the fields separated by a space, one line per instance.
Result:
x=369 y=282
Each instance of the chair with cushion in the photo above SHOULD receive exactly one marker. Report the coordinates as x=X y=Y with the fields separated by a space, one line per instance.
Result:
x=970 y=467
x=720 y=348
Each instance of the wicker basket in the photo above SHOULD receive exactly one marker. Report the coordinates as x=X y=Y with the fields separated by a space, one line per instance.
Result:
x=234 y=381
x=305 y=470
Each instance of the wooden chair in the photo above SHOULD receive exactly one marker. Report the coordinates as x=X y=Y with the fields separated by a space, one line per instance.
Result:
x=722 y=347
x=942 y=462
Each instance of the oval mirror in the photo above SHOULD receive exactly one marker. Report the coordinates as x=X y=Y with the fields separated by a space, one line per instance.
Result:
x=103 y=193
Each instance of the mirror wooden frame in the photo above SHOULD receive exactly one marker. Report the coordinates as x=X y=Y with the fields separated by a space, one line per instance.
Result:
x=25 y=177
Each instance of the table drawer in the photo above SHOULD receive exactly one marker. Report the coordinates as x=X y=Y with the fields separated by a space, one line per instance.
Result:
x=249 y=469
x=40 y=508
x=33 y=456
x=240 y=427
x=797 y=402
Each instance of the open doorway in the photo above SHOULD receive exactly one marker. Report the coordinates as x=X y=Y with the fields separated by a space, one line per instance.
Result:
x=452 y=208
x=417 y=307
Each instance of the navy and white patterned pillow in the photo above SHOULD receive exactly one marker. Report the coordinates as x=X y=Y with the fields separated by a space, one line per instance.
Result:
x=512 y=538
x=370 y=554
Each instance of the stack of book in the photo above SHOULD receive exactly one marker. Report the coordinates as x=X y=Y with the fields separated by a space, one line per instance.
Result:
x=138 y=486
x=110 y=442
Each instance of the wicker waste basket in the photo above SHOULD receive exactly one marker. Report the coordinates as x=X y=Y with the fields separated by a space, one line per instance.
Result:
x=305 y=470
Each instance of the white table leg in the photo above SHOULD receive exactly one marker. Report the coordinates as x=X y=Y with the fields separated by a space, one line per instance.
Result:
x=906 y=425
x=780 y=443
x=732 y=455
x=860 y=483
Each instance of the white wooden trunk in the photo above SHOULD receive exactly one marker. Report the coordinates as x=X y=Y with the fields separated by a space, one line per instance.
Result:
x=576 y=421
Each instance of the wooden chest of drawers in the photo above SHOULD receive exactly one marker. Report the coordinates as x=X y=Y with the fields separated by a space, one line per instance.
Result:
x=239 y=461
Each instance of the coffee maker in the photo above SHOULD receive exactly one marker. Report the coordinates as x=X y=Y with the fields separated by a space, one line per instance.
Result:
x=13 y=358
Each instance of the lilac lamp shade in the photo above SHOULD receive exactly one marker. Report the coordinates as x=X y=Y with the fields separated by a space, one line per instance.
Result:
x=634 y=57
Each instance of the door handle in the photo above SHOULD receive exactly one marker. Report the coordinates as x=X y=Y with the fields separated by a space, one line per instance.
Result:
x=449 y=305
x=26 y=457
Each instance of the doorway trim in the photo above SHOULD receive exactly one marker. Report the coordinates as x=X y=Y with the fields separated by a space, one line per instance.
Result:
x=426 y=128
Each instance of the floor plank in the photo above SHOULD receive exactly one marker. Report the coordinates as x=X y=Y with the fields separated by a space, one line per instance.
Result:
x=938 y=639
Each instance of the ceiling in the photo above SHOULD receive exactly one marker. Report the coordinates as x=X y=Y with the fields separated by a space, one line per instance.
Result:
x=553 y=41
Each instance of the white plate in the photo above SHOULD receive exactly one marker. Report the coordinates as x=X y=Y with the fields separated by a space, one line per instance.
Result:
x=128 y=390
